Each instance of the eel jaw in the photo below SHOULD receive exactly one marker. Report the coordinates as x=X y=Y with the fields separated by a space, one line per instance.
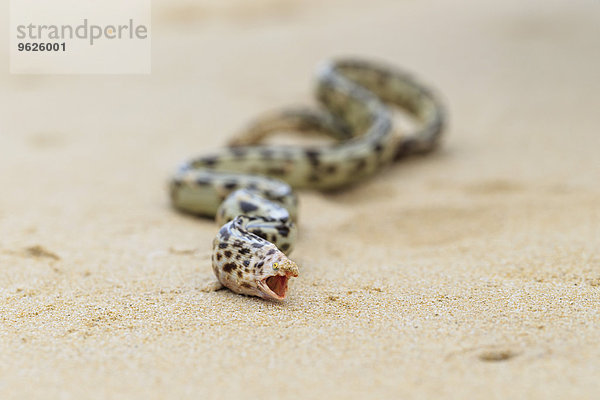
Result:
x=275 y=287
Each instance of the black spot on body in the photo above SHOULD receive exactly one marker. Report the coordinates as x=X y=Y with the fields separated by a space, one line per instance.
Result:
x=227 y=253
x=313 y=157
x=222 y=245
x=260 y=234
x=209 y=161
x=247 y=263
x=405 y=148
x=228 y=267
x=283 y=230
x=259 y=265
x=272 y=251
x=230 y=185
x=247 y=206
x=244 y=251
x=224 y=232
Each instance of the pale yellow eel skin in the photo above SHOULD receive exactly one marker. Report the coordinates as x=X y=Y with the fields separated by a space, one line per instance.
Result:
x=248 y=186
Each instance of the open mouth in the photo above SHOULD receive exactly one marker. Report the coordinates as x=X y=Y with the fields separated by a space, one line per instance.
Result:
x=275 y=286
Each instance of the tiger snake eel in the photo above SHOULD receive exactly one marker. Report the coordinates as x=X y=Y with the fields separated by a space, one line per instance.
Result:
x=247 y=186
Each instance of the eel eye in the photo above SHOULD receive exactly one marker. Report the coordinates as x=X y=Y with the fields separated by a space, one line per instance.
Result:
x=275 y=266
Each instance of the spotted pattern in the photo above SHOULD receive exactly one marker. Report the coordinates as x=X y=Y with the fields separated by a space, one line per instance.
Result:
x=248 y=186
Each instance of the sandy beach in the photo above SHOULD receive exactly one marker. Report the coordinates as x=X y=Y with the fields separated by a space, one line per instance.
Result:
x=472 y=272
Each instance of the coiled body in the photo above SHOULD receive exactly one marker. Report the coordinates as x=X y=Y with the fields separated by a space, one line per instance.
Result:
x=248 y=186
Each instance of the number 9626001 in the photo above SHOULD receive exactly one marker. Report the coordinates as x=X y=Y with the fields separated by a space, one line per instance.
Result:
x=42 y=46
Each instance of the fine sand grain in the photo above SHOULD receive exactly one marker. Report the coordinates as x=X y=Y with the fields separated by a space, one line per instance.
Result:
x=470 y=273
